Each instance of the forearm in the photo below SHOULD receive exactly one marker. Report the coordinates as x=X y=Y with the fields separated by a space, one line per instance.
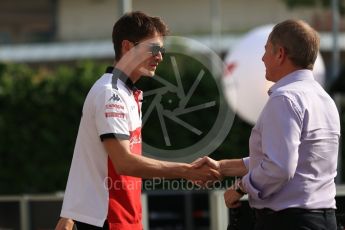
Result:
x=144 y=167
x=130 y=164
x=234 y=167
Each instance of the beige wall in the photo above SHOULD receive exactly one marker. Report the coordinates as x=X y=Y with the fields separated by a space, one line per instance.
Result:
x=245 y=14
x=86 y=19
x=23 y=21
x=93 y=19
x=182 y=16
x=192 y=16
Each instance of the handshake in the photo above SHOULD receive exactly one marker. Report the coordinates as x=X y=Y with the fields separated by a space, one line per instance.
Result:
x=204 y=171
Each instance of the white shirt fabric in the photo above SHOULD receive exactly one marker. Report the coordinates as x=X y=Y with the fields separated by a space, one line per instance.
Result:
x=294 y=147
x=108 y=110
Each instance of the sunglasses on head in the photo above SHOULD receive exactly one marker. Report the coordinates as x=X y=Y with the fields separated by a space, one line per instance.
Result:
x=154 y=48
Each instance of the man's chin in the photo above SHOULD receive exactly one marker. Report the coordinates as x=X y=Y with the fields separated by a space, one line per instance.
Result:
x=267 y=77
x=149 y=73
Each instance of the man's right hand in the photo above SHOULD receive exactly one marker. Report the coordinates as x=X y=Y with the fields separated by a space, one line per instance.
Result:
x=203 y=171
x=64 y=224
x=206 y=161
x=226 y=167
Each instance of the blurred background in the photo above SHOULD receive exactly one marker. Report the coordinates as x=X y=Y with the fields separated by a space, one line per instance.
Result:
x=52 y=51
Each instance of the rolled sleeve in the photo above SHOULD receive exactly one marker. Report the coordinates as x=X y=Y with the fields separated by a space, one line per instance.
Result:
x=246 y=162
x=249 y=187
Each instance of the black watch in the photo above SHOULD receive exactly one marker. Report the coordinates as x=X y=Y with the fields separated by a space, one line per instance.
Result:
x=239 y=191
x=238 y=188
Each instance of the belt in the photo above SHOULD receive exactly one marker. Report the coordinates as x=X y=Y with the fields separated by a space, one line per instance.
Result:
x=267 y=211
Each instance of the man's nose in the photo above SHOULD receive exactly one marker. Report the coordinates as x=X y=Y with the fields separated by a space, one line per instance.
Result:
x=159 y=57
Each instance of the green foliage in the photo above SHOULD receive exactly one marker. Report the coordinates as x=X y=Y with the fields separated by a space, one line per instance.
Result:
x=236 y=144
x=39 y=118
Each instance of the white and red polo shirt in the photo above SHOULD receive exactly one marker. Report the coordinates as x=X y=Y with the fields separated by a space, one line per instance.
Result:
x=95 y=192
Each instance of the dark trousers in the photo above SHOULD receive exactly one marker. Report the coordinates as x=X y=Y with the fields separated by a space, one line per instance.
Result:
x=295 y=219
x=83 y=226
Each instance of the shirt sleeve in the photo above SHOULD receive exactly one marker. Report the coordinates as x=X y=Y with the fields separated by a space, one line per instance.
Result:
x=246 y=162
x=111 y=115
x=280 y=133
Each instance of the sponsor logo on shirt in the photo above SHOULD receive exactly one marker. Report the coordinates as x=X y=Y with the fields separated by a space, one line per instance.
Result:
x=113 y=114
x=114 y=106
x=115 y=97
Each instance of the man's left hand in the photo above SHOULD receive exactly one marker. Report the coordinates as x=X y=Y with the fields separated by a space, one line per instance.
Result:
x=232 y=198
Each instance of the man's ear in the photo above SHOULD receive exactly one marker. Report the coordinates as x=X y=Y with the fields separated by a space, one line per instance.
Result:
x=281 y=54
x=126 y=46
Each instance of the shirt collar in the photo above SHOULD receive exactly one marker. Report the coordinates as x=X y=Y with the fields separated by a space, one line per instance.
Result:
x=298 y=75
x=119 y=74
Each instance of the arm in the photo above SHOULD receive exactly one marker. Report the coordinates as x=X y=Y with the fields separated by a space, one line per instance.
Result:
x=64 y=224
x=280 y=137
x=126 y=163
x=117 y=145
x=234 y=167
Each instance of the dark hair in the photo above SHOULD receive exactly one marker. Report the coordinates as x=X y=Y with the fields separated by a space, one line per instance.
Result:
x=300 y=41
x=134 y=27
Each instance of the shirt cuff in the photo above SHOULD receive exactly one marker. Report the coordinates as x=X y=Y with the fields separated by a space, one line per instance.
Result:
x=246 y=162
x=249 y=187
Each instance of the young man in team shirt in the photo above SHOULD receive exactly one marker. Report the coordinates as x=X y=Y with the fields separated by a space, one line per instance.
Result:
x=104 y=184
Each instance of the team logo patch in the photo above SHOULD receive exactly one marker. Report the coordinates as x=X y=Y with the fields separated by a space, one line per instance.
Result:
x=115 y=97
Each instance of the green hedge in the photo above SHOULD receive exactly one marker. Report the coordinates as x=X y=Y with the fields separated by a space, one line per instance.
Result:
x=39 y=118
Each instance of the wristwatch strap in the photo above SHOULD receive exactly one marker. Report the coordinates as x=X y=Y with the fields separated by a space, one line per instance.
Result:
x=239 y=191
x=239 y=187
